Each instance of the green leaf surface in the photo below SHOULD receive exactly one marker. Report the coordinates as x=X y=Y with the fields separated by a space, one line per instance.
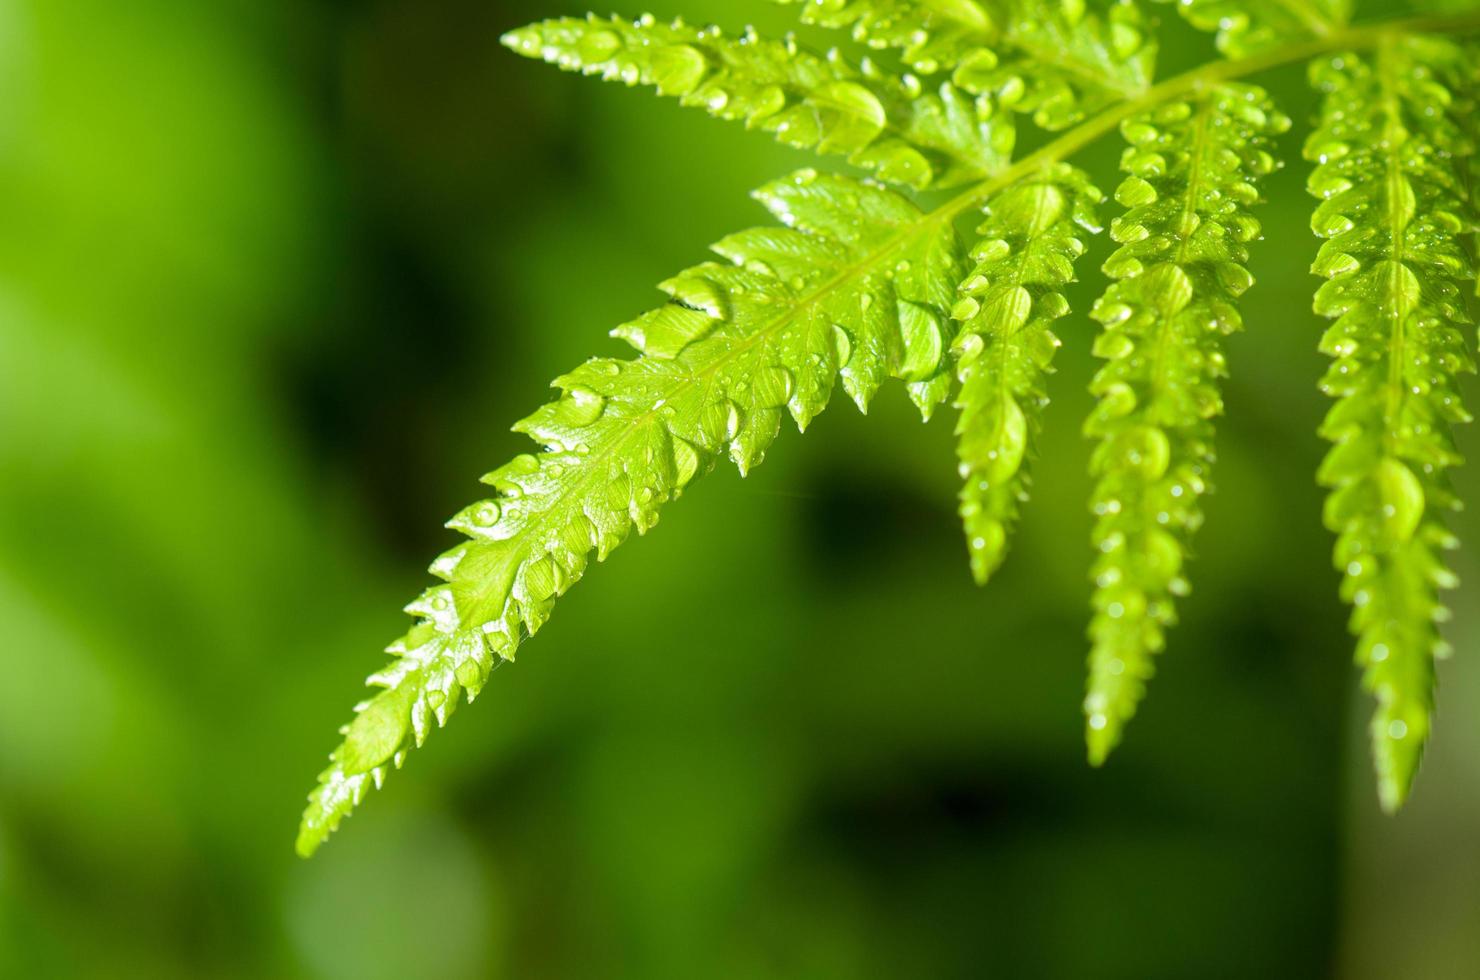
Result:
x=1025 y=255
x=897 y=128
x=855 y=286
x=1193 y=167
x=1393 y=154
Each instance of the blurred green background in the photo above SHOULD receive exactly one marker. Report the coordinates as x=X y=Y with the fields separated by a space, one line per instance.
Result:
x=275 y=278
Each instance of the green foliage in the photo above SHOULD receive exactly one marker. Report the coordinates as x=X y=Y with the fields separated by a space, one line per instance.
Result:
x=854 y=286
x=863 y=284
x=1180 y=271
x=1391 y=150
x=886 y=124
x=1026 y=254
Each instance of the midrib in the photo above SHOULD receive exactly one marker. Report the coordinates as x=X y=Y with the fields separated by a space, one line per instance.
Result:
x=1397 y=223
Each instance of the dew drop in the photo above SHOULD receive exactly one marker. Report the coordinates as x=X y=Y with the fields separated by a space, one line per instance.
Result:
x=773 y=387
x=677 y=69
x=842 y=345
x=598 y=46
x=582 y=406
x=924 y=341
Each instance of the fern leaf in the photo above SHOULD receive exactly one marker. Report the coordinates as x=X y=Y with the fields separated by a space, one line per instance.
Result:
x=1247 y=27
x=853 y=286
x=1055 y=61
x=890 y=126
x=1392 y=151
x=1026 y=254
x=1193 y=165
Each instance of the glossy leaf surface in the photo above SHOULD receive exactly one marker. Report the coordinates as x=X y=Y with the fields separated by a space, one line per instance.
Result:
x=1194 y=165
x=894 y=127
x=1025 y=255
x=1392 y=155
x=854 y=286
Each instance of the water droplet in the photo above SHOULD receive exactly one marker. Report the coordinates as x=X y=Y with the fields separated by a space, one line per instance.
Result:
x=965 y=309
x=900 y=163
x=773 y=387
x=1170 y=287
x=770 y=101
x=842 y=345
x=1139 y=132
x=1117 y=401
x=852 y=116
x=924 y=341
x=686 y=462
x=1328 y=223
x=677 y=69
x=582 y=406
x=1114 y=345
x=598 y=46
x=969 y=347
x=1402 y=497
x=1334 y=263
x=469 y=675
x=1135 y=192
x=698 y=294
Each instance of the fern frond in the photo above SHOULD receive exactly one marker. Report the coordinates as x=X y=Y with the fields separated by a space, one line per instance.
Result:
x=855 y=285
x=1247 y=27
x=890 y=126
x=1056 y=61
x=1392 y=149
x=1193 y=166
x=1026 y=254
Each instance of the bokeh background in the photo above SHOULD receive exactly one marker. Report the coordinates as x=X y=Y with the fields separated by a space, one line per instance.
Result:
x=275 y=278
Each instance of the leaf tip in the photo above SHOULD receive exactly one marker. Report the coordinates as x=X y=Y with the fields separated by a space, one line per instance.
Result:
x=522 y=40
x=1101 y=735
x=308 y=841
x=1397 y=753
